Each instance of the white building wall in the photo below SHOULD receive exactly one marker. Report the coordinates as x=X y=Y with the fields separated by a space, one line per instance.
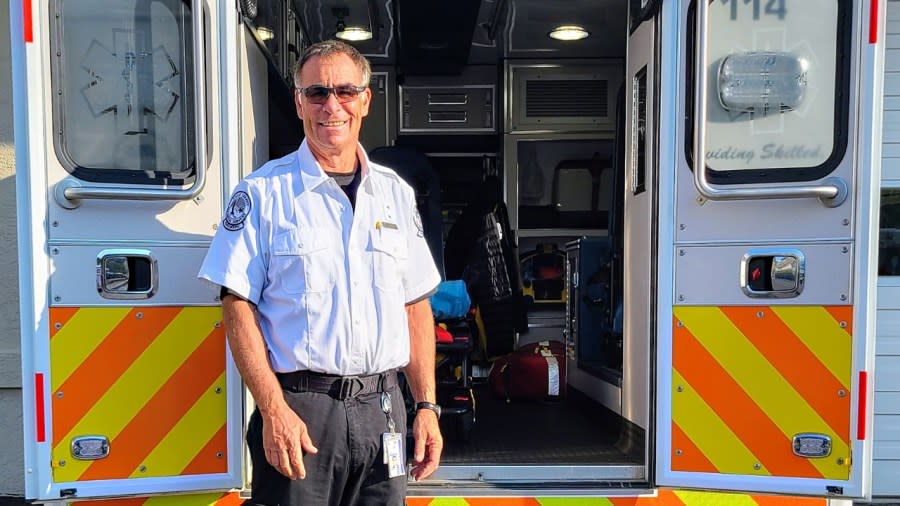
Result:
x=886 y=468
x=12 y=481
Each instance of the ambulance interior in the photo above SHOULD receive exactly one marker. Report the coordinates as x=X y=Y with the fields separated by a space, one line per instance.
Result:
x=502 y=113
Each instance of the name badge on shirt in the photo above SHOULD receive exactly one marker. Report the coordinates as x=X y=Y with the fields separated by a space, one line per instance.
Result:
x=392 y=442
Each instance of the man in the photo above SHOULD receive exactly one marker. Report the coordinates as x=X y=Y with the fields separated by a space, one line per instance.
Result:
x=325 y=277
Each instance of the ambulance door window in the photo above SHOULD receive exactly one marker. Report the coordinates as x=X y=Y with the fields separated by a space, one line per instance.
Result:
x=778 y=89
x=889 y=237
x=123 y=105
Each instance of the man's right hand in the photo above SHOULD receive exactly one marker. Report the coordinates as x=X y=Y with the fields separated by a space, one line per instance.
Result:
x=285 y=439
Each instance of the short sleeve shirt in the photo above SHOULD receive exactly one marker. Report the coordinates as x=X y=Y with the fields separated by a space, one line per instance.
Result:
x=330 y=283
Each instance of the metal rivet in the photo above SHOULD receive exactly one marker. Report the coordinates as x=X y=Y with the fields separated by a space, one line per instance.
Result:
x=139 y=315
x=843 y=296
x=679 y=324
x=198 y=198
x=678 y=452
x=62 y=463
x=57 y=298
x=215 y=226
x=55 y=224
x=840 y=461
x=842 y=393
x=217 y=325
x=757 y=466
x=57 y=325
x=701 y=201
x=219 y=455
x=843 y=325
x=218 y=390
x=59 y=395
x=681 y=252
x=55 y=251
x=844 y=249
x=681 y=226
x=680 y=388
x=142 y=469
x=760 y=314
x=845 y=222
x=681 y=297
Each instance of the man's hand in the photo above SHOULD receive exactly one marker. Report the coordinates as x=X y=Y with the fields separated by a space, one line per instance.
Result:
x=285 y=439
x=429 y=444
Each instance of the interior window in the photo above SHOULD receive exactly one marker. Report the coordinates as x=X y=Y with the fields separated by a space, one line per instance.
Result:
x=124 y=106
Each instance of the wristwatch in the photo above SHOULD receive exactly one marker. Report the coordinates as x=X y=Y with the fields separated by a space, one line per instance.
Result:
x=429 y=405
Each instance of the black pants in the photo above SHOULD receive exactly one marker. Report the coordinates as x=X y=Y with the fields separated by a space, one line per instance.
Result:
x=349 y=469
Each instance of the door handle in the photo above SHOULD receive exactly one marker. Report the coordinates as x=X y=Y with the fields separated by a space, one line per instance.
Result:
x=832 y=192
x=127 y=274
x=773 y=273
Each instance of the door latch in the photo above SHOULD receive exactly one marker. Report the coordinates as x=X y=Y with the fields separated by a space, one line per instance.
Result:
x=127 y=274
x=773 y=273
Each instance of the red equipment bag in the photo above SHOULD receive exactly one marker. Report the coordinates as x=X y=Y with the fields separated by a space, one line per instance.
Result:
x=535 y=371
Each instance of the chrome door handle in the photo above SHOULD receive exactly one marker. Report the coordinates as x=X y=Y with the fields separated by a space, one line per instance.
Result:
x=127 y=274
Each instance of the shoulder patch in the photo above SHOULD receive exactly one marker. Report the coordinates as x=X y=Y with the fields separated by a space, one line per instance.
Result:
x=237 y=211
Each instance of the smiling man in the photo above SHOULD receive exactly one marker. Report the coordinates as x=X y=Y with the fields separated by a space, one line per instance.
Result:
x=325 y=277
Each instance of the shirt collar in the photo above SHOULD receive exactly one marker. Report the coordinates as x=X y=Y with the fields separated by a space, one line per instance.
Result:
x=311 y=173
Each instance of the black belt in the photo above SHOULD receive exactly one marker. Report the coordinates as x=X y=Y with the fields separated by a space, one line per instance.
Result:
x=339 y=387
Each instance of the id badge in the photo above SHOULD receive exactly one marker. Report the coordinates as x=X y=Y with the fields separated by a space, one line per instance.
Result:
x=392 y=443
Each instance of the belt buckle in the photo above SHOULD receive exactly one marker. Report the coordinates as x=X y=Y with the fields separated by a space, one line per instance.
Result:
x=351 y=386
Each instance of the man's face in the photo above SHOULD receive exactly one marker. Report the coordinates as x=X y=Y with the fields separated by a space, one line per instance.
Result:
x=331 y=128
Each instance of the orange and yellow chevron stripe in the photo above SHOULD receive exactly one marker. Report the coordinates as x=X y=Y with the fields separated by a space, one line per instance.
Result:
x=662 y=498
x=216 y=499
x=149 y=379
x=746 y=380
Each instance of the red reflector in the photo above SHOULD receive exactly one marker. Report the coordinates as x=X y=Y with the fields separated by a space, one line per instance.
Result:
x=873 y=22
x=861 y=413
x=460 y=398
x=26 y=20
x=40 y=435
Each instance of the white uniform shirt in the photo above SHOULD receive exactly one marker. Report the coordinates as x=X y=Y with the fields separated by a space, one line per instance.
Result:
x=329 y=283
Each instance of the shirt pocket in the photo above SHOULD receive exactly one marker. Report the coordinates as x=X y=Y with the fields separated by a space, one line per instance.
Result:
x=302 y=261
x=389 y=253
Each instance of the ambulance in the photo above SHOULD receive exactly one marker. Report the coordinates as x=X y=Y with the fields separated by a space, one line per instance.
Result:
x=708 y=172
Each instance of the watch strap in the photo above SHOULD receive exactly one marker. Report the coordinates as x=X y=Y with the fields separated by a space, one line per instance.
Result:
x=429 y=405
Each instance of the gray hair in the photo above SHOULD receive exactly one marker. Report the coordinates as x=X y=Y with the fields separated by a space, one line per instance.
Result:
x=329 y=48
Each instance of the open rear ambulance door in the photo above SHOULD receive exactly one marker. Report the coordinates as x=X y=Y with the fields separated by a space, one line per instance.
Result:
x=770 y=126
x=127 y=386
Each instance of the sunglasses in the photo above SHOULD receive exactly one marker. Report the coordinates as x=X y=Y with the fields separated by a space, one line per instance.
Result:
x=318 y=94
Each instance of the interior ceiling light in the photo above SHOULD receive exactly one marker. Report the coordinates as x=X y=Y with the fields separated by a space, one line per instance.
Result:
x=352 y=33
x=265 y=33
x=568 y=32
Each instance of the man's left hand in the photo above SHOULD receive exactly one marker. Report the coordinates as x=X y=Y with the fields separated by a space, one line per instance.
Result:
x=429 y=444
